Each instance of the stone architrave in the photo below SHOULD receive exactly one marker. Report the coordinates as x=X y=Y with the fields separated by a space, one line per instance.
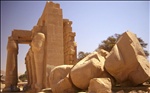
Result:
x=127 y=62
x=37 y=46
x=90 y=67
x=11 y=79
x=57 y=74
x=100 y=85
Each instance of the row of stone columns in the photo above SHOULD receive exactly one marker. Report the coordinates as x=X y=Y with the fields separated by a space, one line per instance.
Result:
x=34 y=64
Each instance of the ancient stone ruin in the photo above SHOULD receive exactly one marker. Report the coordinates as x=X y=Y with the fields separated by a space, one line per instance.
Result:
x=52 y=66
x=99 y=73
x=51 y=44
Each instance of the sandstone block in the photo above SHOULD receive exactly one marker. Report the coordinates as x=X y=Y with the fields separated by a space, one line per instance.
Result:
x=90 y=67
x=103 y=52
x=127 y=61
x=64 y=86
x=57 y=74
x=100 y=85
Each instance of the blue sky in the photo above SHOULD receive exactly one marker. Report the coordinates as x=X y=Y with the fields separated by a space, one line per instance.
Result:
x=93 y=21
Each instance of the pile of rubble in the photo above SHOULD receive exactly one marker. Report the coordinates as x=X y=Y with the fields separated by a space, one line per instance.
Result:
x=126 y=65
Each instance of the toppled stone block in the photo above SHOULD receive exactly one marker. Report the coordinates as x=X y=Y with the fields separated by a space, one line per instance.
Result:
x=103 y=52
x=90 y=67
x=127 y=62
x=57 y=74
x=64 y=86
x=100 y=85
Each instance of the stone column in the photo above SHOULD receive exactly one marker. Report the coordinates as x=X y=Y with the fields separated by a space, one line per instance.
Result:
x=11 y=79
x=30 y=65
x=29 y=71
x=33 y=82
x=37 y=46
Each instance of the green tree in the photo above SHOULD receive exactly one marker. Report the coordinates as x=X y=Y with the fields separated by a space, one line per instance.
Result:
x=23 y=77
x=108 y=45
x=82 y=54
x=111 y=41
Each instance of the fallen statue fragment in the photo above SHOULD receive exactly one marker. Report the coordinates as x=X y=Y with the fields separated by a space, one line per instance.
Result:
x=125 y=65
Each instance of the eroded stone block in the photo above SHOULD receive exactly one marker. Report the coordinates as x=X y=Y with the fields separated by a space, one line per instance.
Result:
x=127 y=62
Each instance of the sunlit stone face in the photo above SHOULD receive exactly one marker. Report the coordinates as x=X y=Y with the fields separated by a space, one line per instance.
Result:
x=38 y=41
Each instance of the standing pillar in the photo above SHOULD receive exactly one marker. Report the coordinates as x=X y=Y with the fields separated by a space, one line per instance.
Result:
x=37 y=46
x=11 y=79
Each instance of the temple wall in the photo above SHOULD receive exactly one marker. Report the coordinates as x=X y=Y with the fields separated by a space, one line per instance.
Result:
x=58 y=46
x=69 y=44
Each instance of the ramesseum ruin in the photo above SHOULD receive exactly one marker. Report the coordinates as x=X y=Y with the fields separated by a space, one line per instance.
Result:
x=51 y=61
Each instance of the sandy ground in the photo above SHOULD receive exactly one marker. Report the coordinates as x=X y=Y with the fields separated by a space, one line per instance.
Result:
x=118 y=90
x=21 y=86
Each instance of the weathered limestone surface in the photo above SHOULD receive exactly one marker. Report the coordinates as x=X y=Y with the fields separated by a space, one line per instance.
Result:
x=100 y=85
x=37 y=46
x=127 y=62
x=90 y=67
x=11 y=69
x=57 y=74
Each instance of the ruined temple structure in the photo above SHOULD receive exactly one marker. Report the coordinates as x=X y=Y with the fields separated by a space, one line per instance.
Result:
x=52 y=65
x=51 y=43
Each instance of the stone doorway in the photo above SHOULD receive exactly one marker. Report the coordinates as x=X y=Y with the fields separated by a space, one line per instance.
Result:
x=22 y=51
x=13 y=63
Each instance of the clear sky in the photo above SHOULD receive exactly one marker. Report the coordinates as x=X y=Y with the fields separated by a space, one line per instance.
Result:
x=93 y=21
